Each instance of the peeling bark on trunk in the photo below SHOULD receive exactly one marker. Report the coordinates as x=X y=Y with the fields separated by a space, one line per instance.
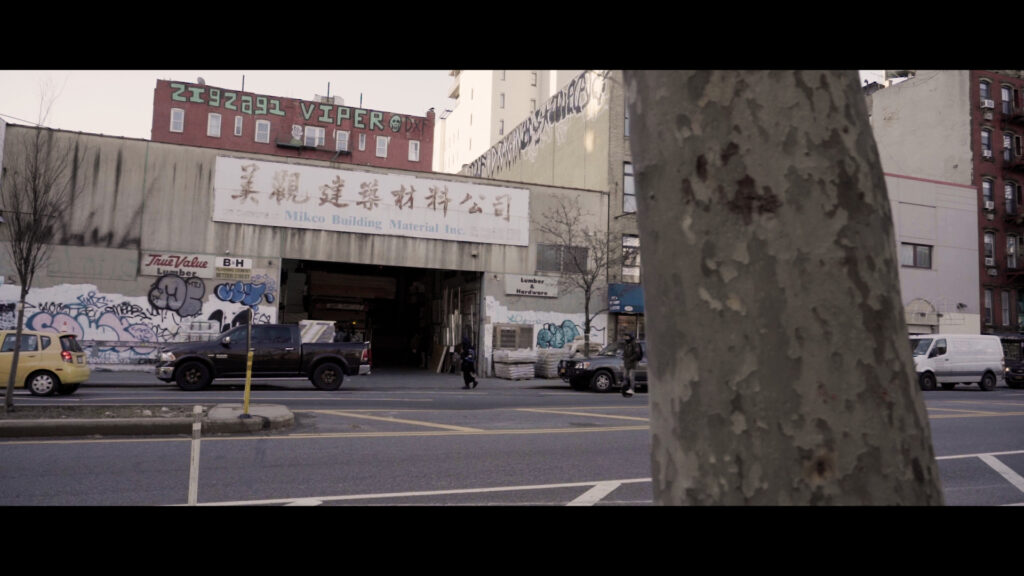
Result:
x=778 y=350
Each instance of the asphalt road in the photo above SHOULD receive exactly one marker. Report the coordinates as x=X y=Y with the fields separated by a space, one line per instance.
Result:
x=399 y=439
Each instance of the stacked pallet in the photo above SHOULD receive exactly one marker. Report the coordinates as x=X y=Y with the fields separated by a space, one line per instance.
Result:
x=547 y=361
x=514 y=364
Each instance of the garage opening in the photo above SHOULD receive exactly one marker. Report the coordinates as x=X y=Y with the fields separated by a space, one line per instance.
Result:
x=410 y=316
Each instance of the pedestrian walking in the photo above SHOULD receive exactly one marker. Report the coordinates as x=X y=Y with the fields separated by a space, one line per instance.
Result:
x=468 y=364
x=631 y=354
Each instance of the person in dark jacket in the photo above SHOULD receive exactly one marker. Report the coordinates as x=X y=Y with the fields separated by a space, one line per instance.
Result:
x=631 y=354
x=468 y=364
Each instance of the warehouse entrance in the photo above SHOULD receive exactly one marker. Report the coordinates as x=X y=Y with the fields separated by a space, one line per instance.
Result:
x=410 y=316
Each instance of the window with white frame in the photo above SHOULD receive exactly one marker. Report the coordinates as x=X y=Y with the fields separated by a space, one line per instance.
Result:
x=414 y=150
x=985 y=89
x=263 y=131
x=557 y=258
x=533 y=78
x=341 y=140
x=362 y=142
x=1006 y=98
x=315 y=136
x=990 y=248
x=382 y=146
x=986 y=190
x=1010 y=195
x=533 y=104
x=1007 y=147
x=988 y=306
x=915 y=255
x=1012 y=242
x=501 y=100
x=1004 y=307
x=238 y=125
x=631 y=258
x=628 y=188
x=986 y=143
x=213 y=125
x=177 y=120
x=501 y=127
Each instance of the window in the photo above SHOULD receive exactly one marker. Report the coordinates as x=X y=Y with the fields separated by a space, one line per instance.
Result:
x=315 y=136
x=263 y=131
x=990 y=245
x=280 y=335
x=362 y=142
x=341 y=140
x=986 y=143
x=238 y=125
x=1007 y=147
x=177 y=120
x=501 y=74
x=985 y=88
x=213 y=125
x=382 y=146
x=1005 y=99
x=555 y=258
x=915 y=255
x=1004 y=307
x=988 y=306
x=1011 y=251
x=501 y=127
x=627 y=123
x=986 y=190
x=414 y=150
x=533 y=78
x=628 y=188
x=533 y=104
x=631 y=258
x=29 y=343
x=1010 y=193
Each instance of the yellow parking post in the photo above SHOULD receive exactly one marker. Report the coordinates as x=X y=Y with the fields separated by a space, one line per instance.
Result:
x=248 y=367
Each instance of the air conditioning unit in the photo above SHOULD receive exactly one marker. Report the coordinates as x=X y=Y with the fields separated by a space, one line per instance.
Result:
x=987 y=115
x=993 y=272
x=986 y=103
x=990 y=205
x=986 y=154
x=990 y=261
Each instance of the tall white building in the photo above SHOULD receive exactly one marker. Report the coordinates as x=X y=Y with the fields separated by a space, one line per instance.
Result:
x=489 y=104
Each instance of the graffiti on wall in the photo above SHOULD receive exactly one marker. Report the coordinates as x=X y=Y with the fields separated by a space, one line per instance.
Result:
x=558 y=335
x=523 y=141
x=553 y=329
x=119 y=329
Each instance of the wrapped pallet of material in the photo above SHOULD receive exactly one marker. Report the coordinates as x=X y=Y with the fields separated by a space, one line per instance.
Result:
x=514 y=364
x=547 y=361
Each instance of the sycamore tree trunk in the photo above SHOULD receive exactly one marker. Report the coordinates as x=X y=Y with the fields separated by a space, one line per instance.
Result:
x=778 y=350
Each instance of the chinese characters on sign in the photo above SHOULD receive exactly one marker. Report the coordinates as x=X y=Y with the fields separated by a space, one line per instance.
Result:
x=277 y=194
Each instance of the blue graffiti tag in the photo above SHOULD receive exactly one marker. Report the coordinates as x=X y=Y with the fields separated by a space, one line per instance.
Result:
x=243 y=293
x=553 y=336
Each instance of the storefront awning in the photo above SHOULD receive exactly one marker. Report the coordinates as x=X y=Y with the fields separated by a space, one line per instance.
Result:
x=626 y=298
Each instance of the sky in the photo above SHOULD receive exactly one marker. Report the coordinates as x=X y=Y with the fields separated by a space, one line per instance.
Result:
x=120 y=102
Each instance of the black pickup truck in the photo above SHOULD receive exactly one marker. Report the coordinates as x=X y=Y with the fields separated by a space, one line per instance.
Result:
x=278 y=352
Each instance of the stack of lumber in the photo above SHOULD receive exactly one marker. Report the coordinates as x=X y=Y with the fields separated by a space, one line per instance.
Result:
x=514 y=364
x=547 y=361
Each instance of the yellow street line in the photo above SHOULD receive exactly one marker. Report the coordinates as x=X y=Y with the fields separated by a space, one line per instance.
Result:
x=400 y=421
x=568 y=413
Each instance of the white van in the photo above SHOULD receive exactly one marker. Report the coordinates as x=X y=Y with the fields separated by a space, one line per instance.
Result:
x=951 y=359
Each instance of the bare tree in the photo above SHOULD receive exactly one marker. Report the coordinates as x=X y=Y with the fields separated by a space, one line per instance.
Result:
x=586 y=256
x=781 y=372
x=36 y=189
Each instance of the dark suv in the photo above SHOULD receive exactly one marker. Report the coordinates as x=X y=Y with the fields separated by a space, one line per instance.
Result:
x=603 y=371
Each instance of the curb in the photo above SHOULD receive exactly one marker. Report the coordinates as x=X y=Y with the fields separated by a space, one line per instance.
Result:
x=221 y=419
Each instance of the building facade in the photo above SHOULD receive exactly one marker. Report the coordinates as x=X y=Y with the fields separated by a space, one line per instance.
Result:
x=963 y=128
x=165 y=242
x=319 y=129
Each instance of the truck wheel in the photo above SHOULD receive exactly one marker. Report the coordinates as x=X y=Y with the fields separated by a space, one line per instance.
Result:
x=602 y=381
x=988 y=382
x=927 y=381
x=328 y=376
x=193 y=376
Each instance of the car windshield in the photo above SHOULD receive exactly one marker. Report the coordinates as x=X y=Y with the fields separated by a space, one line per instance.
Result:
x=919 y=346
x=611 y=350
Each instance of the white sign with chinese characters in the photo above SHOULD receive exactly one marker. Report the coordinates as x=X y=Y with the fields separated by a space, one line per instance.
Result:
x=546 y=286
x=247 y=191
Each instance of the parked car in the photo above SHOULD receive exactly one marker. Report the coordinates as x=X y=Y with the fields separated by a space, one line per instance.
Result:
x=951 y=359
x=49 y=362
x=603 y=371
x=278 y=352
x=1013 y=373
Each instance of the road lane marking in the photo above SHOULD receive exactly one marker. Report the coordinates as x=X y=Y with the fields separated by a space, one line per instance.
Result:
x=595 y=494
x=1003 y=470
x=395 y=420
x=289 y=501
x=570 y=413
x=979 y=455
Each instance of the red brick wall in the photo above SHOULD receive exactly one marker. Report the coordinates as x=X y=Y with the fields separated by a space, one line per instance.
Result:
x=198 y=101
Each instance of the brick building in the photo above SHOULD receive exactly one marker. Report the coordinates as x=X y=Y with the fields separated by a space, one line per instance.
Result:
x=321 y=129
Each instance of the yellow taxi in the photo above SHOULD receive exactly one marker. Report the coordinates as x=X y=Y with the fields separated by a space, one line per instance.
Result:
x=49 y=362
